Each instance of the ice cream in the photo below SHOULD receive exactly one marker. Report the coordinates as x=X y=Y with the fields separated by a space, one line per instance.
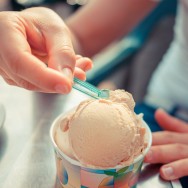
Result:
x=102 y=133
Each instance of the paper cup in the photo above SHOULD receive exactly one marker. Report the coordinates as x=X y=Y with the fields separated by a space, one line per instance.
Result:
x=72 y=174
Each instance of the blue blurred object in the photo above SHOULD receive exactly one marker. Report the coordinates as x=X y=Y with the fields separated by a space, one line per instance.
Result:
x=23 y=4
x=131 y=43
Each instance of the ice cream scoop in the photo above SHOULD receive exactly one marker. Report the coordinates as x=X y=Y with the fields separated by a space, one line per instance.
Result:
x=90 y=89
x=102 y=133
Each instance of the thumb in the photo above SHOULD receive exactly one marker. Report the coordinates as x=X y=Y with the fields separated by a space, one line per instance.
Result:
x=60 y=51
x=57 y=39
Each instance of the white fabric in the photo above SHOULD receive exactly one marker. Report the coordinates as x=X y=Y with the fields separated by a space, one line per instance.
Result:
x=169 y=85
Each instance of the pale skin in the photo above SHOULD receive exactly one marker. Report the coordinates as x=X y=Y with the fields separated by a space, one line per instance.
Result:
x=170 y=147
x=101 y=22
x=36 y=52
x=40 y=55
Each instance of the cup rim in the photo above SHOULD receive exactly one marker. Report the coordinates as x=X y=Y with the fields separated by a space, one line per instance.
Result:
x=77 y=163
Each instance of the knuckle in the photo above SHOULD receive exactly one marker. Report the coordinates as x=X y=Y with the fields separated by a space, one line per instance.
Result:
x=24 y=84
x=67 y=55
x=180 y=148
x=57 y=25
x=68 y=52
x=9 y=82
x=52 y=24
x=169 y=136
x=159 y=152
x=60 y=48
x=159 y=155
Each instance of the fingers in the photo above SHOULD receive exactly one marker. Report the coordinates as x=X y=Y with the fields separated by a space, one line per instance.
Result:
x=39 y=41
x=58 y=44
x=170 y=123
x=19 y=62
x=13 y=79
x=167 y=137
x=170 y=147
x=167 y=153
x=48 y=35
x=54 y=35
x=36 y=73
x=175 y=170
x=16 y=81
x=84 y=63
x=79 y=73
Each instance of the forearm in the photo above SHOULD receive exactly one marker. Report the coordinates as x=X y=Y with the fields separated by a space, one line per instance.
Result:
x=100 y=22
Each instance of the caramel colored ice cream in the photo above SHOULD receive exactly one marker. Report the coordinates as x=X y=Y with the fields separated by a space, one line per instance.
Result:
x=102 y=133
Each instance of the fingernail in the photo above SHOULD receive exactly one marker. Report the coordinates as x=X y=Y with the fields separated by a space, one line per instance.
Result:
x=168 y=171
x=67 y=72
x=149 y=156
x=61 y=89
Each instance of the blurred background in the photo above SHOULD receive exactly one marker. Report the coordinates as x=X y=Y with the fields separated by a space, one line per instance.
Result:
x=62 y=7
x=126 y=64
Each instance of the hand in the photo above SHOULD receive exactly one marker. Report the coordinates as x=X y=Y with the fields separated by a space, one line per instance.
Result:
x=170 y=147
x=36 y=51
